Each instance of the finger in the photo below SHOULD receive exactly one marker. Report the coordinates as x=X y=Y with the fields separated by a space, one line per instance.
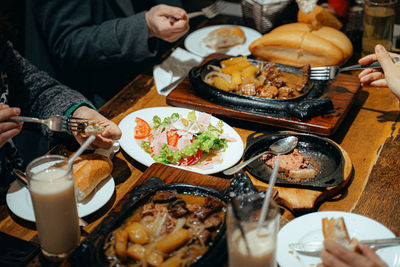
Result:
x=330 y=260
x=379 y=83
x=367 y=59
x=384 y=59
x=365 y=72
x=373 y=76
x=175 y=12
x=367 y=251
x=7 y=135
x=7 y=112
x=101 y=142
x=344 y=255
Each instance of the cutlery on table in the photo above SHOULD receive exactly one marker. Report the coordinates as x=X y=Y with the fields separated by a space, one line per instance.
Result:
x=209 y=12
x=330 y=72
x=314 y=248
x=55 y=123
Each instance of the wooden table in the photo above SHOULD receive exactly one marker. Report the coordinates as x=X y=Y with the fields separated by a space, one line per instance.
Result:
x=369 y=134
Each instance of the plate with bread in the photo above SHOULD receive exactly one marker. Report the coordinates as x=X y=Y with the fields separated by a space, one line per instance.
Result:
x=94 y=187
x=339 y=226
x=227 y=39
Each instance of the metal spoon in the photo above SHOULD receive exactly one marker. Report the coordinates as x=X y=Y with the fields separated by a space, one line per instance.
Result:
x=282 y=146
x=22 y=177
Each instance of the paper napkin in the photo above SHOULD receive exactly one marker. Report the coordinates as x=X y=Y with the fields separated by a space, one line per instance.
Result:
x=174 y=69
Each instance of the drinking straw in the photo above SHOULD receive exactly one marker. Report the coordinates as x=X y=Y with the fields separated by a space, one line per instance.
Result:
x=80 y=151
x=265 y=206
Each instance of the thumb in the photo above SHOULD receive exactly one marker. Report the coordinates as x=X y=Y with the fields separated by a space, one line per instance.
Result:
x=384 y=58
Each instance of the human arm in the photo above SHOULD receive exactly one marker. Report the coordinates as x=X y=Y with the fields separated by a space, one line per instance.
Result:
x=80 y=34
x=39 y=95
x=335 y=255
x=388 y=76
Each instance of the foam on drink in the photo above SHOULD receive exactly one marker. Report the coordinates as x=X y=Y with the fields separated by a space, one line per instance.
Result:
x=53 y=198
x=262 y=249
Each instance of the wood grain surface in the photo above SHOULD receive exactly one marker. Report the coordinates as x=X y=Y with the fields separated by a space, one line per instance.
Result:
x=341 y=91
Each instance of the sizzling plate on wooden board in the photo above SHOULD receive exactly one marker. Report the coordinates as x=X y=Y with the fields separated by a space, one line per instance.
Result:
x=305 y=106
x=324 y=156
x=91 y=250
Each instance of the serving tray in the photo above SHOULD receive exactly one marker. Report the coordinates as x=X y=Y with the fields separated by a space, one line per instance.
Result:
x=341 y=92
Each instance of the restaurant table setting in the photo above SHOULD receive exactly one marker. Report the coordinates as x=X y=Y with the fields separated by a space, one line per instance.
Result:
x=159 y=211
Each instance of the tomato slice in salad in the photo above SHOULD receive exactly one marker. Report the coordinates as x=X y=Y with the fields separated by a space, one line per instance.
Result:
x=172 y=138
x=192 y=159
x=142 y=129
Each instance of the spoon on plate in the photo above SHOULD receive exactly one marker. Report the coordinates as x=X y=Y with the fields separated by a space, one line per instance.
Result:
x=280 y=147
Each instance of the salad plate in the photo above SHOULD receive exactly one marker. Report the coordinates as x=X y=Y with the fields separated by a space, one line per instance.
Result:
x=230 y=155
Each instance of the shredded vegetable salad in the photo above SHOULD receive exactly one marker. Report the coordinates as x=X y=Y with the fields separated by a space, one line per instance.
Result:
x=182 y=141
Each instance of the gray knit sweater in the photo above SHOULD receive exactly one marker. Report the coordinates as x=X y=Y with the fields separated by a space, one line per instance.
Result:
x=35 y=92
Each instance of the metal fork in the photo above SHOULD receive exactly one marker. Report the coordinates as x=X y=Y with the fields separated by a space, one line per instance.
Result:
x=330 y=72
x=210 y=11
x=55 y=123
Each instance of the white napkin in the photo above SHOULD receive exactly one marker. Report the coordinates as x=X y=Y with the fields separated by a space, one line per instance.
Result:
x=174 y=69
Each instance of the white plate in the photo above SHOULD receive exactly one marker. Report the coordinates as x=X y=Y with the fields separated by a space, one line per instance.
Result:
x=230 y=156
x=19 y=200
x=194 y=42
x=308 y=228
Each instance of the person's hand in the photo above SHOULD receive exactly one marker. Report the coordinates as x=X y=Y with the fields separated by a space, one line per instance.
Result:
x=111 y=131
x=389 y=76
x=336 y=255
x=167 y=22
x=8 y=129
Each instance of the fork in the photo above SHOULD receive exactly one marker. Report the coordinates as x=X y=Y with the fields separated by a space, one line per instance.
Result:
x=330 y=72
x=55 y=123
x=210 y=11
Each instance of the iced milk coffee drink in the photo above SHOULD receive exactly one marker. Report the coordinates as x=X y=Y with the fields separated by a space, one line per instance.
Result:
x=53 y=198
x=261 y=243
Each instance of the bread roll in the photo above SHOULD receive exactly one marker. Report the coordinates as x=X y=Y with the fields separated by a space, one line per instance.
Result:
x=319 y=17
x=225 y=37
x=336 y=230
x=89 y=170
x=297 y=44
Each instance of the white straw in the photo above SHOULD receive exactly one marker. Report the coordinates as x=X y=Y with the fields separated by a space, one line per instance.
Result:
x=265 y=206
x=80 y=150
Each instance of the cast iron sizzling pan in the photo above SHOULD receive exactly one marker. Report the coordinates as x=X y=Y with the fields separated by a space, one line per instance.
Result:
x=91 y=252
x=324 y=156
x=309 y=104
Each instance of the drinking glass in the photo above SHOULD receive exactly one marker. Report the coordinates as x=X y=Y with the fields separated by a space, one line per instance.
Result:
x=261 y=243
x=52 y=192
x=378 y=22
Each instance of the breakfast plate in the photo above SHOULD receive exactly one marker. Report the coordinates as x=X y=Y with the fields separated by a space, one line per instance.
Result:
x=308 y=228
x=230 y=156
x=19 y=200
x=194 y=42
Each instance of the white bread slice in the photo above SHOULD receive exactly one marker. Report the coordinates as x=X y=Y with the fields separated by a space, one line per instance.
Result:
x=335 y=229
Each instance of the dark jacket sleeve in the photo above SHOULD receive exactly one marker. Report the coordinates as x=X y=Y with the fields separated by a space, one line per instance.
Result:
x=77 y=35
x=35 y=92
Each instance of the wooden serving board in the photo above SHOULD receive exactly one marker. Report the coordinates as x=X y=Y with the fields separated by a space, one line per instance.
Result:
x=295 y=199
x=341 y=91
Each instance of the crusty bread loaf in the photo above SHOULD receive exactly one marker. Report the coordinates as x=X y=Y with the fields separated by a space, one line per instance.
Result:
x=319 y=17
x=89 y=170
x=298 y=44
x=335 y=229
x=225 y=37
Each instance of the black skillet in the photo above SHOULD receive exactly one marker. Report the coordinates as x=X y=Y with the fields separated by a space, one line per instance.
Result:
x=324 y=156
x=307 y=105
x=91 y=253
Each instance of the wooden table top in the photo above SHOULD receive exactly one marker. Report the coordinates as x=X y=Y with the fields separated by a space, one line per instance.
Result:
x=369 y=134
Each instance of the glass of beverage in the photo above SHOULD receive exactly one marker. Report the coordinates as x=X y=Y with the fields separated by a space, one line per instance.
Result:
x=378 y=23
x=251 y=246
x=52 y=192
